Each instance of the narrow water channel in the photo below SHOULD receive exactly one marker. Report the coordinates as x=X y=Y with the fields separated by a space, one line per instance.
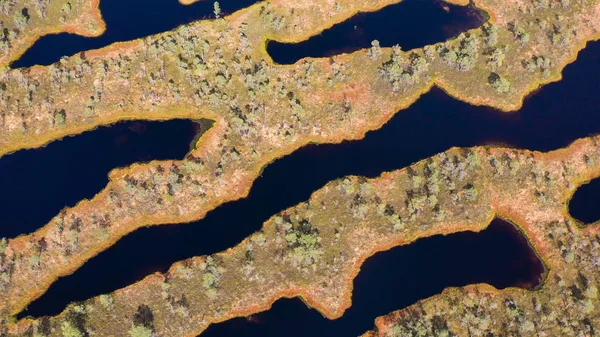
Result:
x=125 y=20
x=37 y=183
x=395 y=279
x=410 y=24
x=551 y=118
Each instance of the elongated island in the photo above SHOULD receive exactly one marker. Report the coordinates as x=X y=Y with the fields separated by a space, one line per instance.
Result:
x=220 y=70
x=25 y=21
x=315 y=249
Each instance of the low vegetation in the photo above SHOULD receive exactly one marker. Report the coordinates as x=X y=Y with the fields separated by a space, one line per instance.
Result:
x=23 y=22
x=315 y=249
x=219 y=69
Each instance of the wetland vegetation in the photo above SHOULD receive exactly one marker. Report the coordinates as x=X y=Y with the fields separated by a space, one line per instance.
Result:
x=314 y=249
x=220 y=70
x=401 y=276
x=396 y=24
x=291 y=180
x=585 y=204
x=75 y=168
x=25 y=21
x=151 y=17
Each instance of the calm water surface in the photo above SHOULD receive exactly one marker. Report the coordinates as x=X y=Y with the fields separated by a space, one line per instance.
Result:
x=397 y=278
x=551 y=118
x=585 y=204
x=64 y=172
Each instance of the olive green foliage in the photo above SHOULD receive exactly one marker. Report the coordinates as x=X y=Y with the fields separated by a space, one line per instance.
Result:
x=422 y=328
x=463 y=55
x=490 y=34
x=139 y=331
x=375 y=50
x=519 y=33
x=211 y=276
x=68 y=330
x=106 y=300
x=21 y=18
x=501 y=84
x=60 y=118
x=538 y=63
x=5 y=266
x=217 y=9
x=175 y=180
x=271 y=19
x=302 y=241
x=192 y=165
x=401 y=71
x=495 y=57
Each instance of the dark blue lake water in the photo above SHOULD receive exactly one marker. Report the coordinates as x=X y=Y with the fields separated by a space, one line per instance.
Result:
x=585 y=204
x=550 y=119
x=36 y=184
x=397 y=278
x=411 y=24
x=125 y=20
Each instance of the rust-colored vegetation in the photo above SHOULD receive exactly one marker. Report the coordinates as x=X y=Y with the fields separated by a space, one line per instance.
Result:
x=24 y=21
x=315 y=249
x=220 y=70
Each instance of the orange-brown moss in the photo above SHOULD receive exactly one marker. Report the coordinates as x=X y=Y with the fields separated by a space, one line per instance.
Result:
x=473 y=186
x=256 y=121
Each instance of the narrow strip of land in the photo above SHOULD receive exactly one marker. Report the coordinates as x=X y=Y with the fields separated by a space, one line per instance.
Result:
x=315 y=249
x=25 y=21
x=220 y=70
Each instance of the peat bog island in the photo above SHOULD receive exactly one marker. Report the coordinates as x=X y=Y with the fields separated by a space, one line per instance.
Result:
x=257 y=83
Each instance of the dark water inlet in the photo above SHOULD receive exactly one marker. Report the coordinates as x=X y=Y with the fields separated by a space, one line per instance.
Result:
x=585 y=204
x=434 y=21
x=37 y=183
x=552 y=118
x=125 y=20
x=395 y=279
x=410 y=23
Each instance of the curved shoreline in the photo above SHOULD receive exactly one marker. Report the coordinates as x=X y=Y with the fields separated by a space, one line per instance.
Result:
x=333 y=307
x=383 y=325
x=89 y=16
x=243 y=177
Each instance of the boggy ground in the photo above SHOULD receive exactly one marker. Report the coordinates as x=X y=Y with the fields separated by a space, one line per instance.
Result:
x=566 y=305
x=24 y=21
x=220 y=70
x=315 y=249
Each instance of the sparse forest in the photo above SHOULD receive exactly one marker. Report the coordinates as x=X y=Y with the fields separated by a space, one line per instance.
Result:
x=218 y=69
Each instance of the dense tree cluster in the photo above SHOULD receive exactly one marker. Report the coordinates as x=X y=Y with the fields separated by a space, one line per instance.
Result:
x=462 y=56
x=303 y=242
x=401 y=71
x=501 y=84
